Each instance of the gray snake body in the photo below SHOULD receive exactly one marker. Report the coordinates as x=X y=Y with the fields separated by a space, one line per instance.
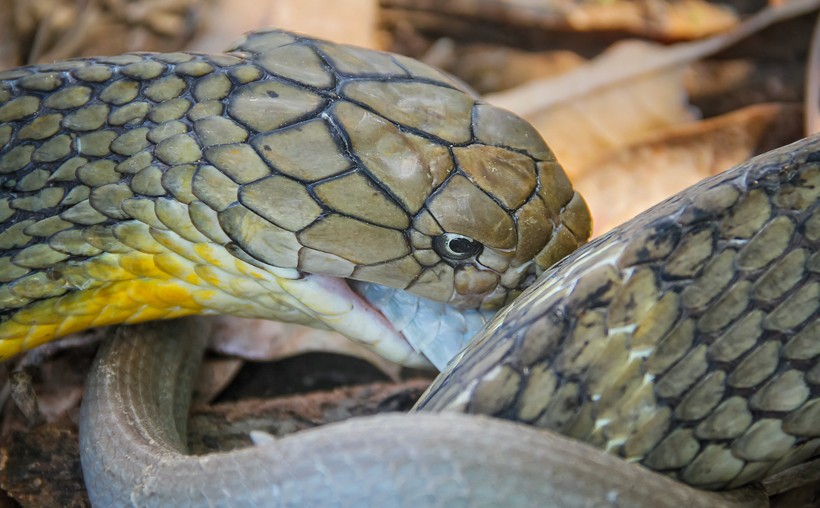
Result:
x=260 y=182
x=519 y=369
x=133 y=448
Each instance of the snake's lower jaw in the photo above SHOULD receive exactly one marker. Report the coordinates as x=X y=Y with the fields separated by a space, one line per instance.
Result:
x=331 y=302
x=394 y=323
x=436 y=330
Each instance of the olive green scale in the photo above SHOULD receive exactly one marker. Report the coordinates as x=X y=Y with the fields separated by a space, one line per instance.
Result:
x=287 y=152
x=690 y=340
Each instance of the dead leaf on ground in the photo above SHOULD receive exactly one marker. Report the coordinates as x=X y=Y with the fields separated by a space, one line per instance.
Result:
x=214 y=376
x=9 y=40
x=49 y=30
x=629 y=92
x=351 y=21
x=489 y=68
x=41 y=467
x=644 y=174
x=812 y=113
x=226 y=426
x=261 y=340
x=589 y=113
x=721 y=85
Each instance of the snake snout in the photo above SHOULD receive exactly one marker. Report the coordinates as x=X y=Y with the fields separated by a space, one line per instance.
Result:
x=397 y=177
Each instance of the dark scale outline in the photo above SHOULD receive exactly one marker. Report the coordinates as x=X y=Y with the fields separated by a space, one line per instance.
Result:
x=330 y=96
x=342 y=143
x=474 y=368
x=70 y=80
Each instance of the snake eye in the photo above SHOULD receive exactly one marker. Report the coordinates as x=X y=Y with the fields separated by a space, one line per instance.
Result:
x=453 y=246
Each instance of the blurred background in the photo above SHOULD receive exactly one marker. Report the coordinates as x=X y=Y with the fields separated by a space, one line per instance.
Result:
x=631 y=94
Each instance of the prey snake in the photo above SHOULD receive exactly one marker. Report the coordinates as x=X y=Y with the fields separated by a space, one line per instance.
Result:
x=254 y=183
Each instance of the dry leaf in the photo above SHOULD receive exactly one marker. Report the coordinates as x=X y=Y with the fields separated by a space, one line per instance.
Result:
x=812 y=113
x=49 y=30
x=214 y=376
x=489 y=68
x=351 y=21
x=228 y=425
x=262 y=340
x=645 y=174
x=720 y=85
x=9 y=39
x=662 y=20
x=628 y=92
x=687 y=19
x=582 y=128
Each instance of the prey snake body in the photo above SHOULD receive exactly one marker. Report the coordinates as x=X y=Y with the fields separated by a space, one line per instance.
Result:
x=254 y=183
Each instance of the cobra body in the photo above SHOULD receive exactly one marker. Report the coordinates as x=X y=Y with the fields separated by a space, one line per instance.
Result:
x=686 y=340
x=155 y=186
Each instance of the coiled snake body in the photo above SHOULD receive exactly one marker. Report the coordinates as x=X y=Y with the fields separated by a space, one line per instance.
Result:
x=255 y=183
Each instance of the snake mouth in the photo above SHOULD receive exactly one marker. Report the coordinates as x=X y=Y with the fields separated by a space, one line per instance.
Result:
x=394 y=323
x=436 y=330
x=333 y=302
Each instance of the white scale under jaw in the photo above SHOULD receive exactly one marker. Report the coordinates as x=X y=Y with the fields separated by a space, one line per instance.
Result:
x=436 y=330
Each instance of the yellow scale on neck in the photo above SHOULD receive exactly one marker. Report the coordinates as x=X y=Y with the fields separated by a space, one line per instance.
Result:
x=138 y=286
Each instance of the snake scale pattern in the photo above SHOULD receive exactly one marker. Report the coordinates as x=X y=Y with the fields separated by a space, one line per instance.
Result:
x=155 y=186
x=690 y=343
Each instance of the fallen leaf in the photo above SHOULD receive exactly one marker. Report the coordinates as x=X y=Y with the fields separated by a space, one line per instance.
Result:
x=49 y=30
x=662 y=20
x=812 y=113
x=351 y=21
x=227 y=425
x=10 y=44
x=214 y=375
x=262 y=340
x=629 y=92
x=645 y=174
x=489 y=68
x=721 y=85
x=582 y=128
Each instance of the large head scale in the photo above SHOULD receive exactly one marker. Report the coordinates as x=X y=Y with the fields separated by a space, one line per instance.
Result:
x=395 y=174
x=256 y=183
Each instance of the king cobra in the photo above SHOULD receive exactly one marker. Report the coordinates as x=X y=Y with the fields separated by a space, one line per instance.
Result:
x=364 y=192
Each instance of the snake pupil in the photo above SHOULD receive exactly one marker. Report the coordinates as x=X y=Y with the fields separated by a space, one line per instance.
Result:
x=453 y=246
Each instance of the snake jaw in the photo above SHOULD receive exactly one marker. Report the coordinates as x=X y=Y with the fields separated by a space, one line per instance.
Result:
x=393 y=323
x=437 y=330
x=397 y=325
x=332 y=301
